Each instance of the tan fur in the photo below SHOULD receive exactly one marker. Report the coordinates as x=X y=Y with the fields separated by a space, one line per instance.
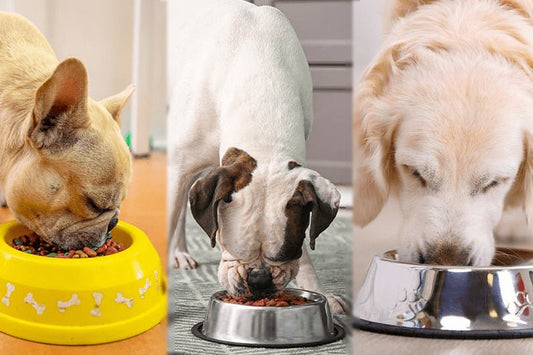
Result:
x=504 y=34
x=58 y=147
x=448 y=97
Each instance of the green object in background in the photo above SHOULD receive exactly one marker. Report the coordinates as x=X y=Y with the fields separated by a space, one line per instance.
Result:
x=127 y=138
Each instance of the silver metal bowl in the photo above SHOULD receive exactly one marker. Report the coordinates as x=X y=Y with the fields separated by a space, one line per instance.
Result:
x=449 y=301
x=302 y=325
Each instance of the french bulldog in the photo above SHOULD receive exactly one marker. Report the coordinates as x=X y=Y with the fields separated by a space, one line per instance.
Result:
x=64 y=166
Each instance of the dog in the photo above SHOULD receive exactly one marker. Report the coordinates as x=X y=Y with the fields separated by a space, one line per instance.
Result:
x=443 y=120
x=64 y=167
x=239 y=117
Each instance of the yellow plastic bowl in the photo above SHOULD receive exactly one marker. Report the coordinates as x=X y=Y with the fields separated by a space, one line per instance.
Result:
x=81 y=301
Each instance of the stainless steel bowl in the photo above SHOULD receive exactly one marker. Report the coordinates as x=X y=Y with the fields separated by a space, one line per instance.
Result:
x=301 y=325
x=449 y=301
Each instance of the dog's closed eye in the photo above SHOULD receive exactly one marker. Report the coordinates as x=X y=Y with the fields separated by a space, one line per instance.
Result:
x=415 y=173
x=485 y=185
x=492 y=184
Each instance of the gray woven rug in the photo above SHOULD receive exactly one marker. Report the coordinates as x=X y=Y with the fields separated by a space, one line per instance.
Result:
x=190 y=290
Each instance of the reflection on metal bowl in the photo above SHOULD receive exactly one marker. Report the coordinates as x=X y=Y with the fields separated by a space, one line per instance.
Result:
x=448 y=301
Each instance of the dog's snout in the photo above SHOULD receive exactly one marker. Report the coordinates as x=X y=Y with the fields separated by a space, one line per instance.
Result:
x=113 y=222
x=260 y=282
x=446 y=254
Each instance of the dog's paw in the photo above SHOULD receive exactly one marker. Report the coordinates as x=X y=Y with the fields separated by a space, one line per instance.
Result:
x=339 y=305
x=184 y=261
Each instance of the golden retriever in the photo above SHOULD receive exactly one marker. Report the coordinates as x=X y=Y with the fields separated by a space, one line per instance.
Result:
x=443 y=119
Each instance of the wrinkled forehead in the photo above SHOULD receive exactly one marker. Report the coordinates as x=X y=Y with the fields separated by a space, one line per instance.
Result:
x=492 y=145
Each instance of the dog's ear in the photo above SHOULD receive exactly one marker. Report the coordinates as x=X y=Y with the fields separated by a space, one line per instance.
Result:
x=218 y=185
x=114 y=104
x=60 y=106
x=373 y=133
x=318 y=197
x=521 y=192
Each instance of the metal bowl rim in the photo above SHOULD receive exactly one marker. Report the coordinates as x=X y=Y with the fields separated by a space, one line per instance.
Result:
x=321 y=301
x=382 y=258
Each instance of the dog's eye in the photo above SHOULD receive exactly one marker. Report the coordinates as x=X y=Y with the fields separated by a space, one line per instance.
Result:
x=92 y=205
x=417 y=175
x=492 y=184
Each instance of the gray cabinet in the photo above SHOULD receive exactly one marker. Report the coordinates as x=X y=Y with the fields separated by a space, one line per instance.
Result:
x=324 y=27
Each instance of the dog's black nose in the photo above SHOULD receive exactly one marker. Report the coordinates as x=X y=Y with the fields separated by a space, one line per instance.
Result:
x=112 y=223
x=260 y=282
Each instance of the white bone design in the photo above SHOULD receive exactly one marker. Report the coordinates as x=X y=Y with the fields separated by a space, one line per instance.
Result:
x=97 y=302
x=39 y=308
x=143 y=290
x=156 y=276
x=10 y=289
x=121 y=299
x=63 y=305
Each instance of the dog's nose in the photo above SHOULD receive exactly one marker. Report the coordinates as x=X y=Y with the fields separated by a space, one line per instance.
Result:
x=446 y=254
x=112 y=223
x=260 y=282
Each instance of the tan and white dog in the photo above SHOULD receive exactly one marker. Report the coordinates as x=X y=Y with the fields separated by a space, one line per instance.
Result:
x=64 y=167
x=444 y=120
x=239 y=117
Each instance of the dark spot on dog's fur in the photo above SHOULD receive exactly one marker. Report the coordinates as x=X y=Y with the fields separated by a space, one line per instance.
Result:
x=293 y=164
x=234 y=174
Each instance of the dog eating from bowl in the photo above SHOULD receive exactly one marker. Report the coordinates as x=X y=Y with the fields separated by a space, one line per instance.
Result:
x=443 y=120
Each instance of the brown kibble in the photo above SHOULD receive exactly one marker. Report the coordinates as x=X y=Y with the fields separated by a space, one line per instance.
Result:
x=279 y=300
x=38 y=246
x=89 y=252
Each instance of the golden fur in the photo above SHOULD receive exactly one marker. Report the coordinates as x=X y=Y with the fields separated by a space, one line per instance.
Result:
x=453 y=83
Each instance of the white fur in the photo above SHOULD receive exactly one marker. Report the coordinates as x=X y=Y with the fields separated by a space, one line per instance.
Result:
x=449 y=98
x=242 y=81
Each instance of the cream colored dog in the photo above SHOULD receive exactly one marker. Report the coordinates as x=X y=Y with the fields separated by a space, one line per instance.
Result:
x=444 y=119
x=64 y=166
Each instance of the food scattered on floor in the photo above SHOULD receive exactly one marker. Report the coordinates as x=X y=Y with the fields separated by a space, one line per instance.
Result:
x=279 y=300
x=34 y=244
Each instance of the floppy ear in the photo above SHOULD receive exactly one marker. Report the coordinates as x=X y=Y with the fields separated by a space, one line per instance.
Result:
x=60 y=106
x=521 y=193
x=323 y=207
x=373 y=133
x=218 y=185
x=114 y=104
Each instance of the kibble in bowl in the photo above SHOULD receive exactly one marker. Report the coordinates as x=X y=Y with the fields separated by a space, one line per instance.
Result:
x=60 y=300
x=31 y=243
x=281 y=299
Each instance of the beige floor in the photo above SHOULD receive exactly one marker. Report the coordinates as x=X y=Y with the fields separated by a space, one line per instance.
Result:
x=145 y=208
x=378 y=237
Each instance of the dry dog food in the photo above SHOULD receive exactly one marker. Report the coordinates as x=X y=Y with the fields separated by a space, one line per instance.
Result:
x=279 y=300
x=33 y=244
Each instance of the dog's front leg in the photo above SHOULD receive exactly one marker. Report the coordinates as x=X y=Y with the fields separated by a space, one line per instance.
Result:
x=179 y=185
x=307 y=280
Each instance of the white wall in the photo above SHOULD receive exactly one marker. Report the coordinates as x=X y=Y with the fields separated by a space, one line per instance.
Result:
x=369 y=25
x=100 y=33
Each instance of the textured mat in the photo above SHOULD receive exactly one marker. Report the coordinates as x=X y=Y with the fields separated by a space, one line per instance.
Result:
x=190 y=290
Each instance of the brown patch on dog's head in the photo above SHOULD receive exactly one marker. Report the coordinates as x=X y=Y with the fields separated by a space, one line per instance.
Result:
x=292 y=164
x=234 y=174
x=303 y=202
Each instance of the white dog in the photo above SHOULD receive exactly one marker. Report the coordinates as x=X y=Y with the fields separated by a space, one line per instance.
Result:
x=444 y=119
x=239 y=117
